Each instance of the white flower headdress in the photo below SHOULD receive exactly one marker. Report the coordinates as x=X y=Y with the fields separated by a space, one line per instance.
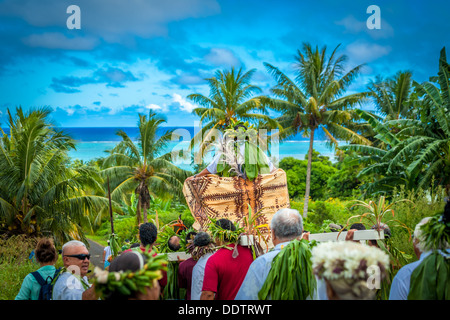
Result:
x=347 y=259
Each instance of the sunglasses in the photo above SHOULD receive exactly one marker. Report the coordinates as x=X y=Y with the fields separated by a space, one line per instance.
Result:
x=79 y=256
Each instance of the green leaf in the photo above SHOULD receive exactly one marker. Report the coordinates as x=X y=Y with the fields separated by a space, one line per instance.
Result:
x=291 y=276
x=251 y=168
x=425 y=280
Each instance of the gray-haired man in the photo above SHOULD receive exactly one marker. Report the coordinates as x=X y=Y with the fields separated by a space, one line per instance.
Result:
x=73 y=283
x=286 y=225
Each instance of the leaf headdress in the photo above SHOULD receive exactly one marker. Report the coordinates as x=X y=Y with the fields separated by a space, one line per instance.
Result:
x=124 y=284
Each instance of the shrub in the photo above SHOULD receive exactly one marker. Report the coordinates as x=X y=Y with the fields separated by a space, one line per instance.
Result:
x=321 y=170
x=332 y=210
x=15 y=264
x=11 y=277
x=16 y=249
x=125 y=227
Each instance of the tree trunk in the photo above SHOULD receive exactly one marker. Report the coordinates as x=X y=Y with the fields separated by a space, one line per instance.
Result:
x=308 y=174
x=138 y=212
x=144 y=213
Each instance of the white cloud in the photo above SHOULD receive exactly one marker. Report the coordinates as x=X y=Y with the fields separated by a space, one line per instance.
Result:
x=222 y=57
x=360 y=52
x=70 y=111
x=187 y=79
x=156 y=107
x=353 y=25
x=183 y=104
x=112 y=20
x=56 y=40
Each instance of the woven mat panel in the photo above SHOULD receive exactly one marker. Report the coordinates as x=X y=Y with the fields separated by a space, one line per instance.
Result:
x=228 y=197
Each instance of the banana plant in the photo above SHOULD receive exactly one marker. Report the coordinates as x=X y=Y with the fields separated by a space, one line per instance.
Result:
x=376 y=213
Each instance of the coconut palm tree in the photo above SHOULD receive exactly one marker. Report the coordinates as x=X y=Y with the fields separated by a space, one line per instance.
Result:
x=231 y=99
x=316 y=99
x=40 y=194
x=142 y=167
x=393 y=96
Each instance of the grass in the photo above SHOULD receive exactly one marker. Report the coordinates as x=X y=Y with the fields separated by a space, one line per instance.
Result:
x=11 y=277
x=15 y=265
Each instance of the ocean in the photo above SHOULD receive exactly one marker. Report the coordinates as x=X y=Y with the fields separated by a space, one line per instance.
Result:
x=93 y=142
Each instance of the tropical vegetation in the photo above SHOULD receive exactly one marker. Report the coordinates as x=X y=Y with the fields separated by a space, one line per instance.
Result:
x=399 y=150
x=317 y=99
x=40 y=193
x=232 y=98
x=143 y=168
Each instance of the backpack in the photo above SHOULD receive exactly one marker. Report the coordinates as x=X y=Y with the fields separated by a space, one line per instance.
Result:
x=45 y=292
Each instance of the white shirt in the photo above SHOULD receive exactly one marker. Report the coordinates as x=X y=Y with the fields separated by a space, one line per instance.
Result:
x=69 y=287
x=197 y=276
x=401 y=282
x=257 y=274
x=107 y=252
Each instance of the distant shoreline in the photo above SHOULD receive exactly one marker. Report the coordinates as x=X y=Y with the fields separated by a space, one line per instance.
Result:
x=91 y=142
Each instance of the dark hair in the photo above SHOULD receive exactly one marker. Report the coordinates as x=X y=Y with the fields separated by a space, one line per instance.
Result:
x=174 y=246
x=127 y=261
x=45 y=251
x=190 y=235
x=148 y=233
x=135 y=245
x=202 y=239
x=226 y=224
x=240 y=125
x=358 y=226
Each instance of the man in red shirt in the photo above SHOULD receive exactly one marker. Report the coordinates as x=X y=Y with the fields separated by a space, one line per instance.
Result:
x=223 y=273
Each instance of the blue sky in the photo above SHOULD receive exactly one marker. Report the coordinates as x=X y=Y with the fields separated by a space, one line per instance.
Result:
x=132 y=56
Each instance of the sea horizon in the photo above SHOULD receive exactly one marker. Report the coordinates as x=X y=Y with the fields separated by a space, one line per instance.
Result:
x=92 y=142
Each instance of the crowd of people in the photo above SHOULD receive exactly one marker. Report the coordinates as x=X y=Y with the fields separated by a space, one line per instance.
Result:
x=220 y=269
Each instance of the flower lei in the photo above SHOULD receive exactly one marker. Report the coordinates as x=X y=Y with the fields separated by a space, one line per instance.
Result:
x=127 y=282
x=346 y=259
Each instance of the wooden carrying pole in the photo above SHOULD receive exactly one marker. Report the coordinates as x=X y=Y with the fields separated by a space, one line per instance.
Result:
x=358 y=235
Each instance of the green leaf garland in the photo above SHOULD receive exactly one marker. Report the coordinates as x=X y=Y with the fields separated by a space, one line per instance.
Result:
x=291 y=276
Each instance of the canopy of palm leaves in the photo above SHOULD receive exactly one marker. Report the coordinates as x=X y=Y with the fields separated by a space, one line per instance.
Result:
x=316 y=98
x=40 y=194
x=418 y=150
x=143 y=167
x=392 y=96
x=231 y=99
